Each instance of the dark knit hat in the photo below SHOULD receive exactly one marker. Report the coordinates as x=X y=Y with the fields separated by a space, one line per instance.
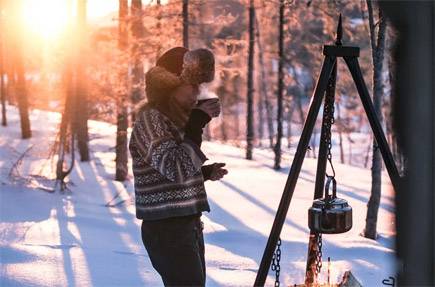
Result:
x=177 y=66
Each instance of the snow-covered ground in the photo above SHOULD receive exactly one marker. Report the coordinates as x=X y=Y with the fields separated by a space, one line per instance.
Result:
x=90 y=236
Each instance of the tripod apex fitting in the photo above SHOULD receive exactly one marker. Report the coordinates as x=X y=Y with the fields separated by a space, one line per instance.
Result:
x=338 y=50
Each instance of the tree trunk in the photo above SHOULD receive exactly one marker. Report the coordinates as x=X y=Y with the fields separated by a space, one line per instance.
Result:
x=236 y=114
x=300 y=109
x=277 y=148
x=67 y=123
x=81 y=128
x=69 y=114
x=121 y=159
x=313 y=142
x=250 y=88
x=340 y=133
x=136 y=54
x=223 y=126
x=186 y=23
x=366 y=160
x=11 y=83
x=378 y=47
x=260 y=111
x=21 y=93
x=290 y=107
x=263 y=85
x=2 y=78
x=158 y=28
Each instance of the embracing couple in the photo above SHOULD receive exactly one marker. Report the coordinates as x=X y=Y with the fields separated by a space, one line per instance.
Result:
x=168 y=169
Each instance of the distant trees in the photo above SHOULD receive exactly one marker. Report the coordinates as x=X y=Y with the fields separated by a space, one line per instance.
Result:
x=267 y=62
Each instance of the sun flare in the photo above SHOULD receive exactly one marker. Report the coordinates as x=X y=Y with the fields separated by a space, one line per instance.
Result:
x=46 y=18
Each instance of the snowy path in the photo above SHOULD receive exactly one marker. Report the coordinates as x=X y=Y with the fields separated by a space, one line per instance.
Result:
x=73 y=239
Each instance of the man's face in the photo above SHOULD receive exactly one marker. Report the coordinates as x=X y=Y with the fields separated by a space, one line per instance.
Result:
x=186 y=96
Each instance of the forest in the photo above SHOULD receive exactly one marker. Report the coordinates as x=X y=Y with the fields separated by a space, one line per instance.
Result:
x=73 y=74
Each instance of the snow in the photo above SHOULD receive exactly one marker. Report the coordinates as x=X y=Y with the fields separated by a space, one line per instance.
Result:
x=90 y=236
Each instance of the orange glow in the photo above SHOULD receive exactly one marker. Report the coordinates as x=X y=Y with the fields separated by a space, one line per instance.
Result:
x=45 y=18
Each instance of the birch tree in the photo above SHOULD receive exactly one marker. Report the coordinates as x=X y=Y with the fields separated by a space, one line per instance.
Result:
x=377 y=40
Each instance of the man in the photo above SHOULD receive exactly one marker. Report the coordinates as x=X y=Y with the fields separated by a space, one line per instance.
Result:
x=168 y=164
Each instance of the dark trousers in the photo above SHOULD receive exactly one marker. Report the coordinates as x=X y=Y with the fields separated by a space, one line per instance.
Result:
x=176 y=249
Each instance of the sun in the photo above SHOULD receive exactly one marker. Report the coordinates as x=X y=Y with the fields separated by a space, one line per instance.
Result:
x=46 y=18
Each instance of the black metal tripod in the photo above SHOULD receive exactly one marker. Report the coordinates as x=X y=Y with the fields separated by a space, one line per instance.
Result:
x=325 y=85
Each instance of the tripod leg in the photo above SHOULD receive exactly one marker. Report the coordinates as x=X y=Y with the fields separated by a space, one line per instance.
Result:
x=295 y=169
x=355 y=70
x=310 y=275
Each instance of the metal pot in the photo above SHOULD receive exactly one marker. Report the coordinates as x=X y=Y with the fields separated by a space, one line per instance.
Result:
x=330 y=215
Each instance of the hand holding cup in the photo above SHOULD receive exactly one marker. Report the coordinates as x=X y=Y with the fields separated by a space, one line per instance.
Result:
x=211 y=107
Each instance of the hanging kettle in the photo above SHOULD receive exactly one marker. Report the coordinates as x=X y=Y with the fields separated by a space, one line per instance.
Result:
x=330 y=214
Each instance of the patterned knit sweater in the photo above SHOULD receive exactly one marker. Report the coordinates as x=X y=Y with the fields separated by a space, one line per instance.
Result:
x=168 y=180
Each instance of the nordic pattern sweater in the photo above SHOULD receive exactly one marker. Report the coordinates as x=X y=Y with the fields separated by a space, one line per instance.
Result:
x=168 y=181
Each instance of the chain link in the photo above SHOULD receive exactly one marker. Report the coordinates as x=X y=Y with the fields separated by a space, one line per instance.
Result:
x=318 y=254
x=276 y=258
x=328 y=122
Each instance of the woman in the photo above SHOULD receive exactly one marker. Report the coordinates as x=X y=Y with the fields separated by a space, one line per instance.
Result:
x=168 y=165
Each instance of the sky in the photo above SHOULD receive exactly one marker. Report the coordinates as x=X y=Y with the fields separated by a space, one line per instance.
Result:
x=99 y=8
x=48 y=18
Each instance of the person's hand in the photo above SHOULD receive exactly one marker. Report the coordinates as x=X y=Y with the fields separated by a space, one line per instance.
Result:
x=211 y=107
x=217 y=171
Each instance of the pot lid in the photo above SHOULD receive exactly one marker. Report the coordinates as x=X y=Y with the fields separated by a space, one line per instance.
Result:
x=332 y=203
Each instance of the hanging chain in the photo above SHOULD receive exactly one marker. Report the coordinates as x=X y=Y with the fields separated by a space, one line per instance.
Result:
x=318 y=254
x=275 y=262
x=328 y=122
